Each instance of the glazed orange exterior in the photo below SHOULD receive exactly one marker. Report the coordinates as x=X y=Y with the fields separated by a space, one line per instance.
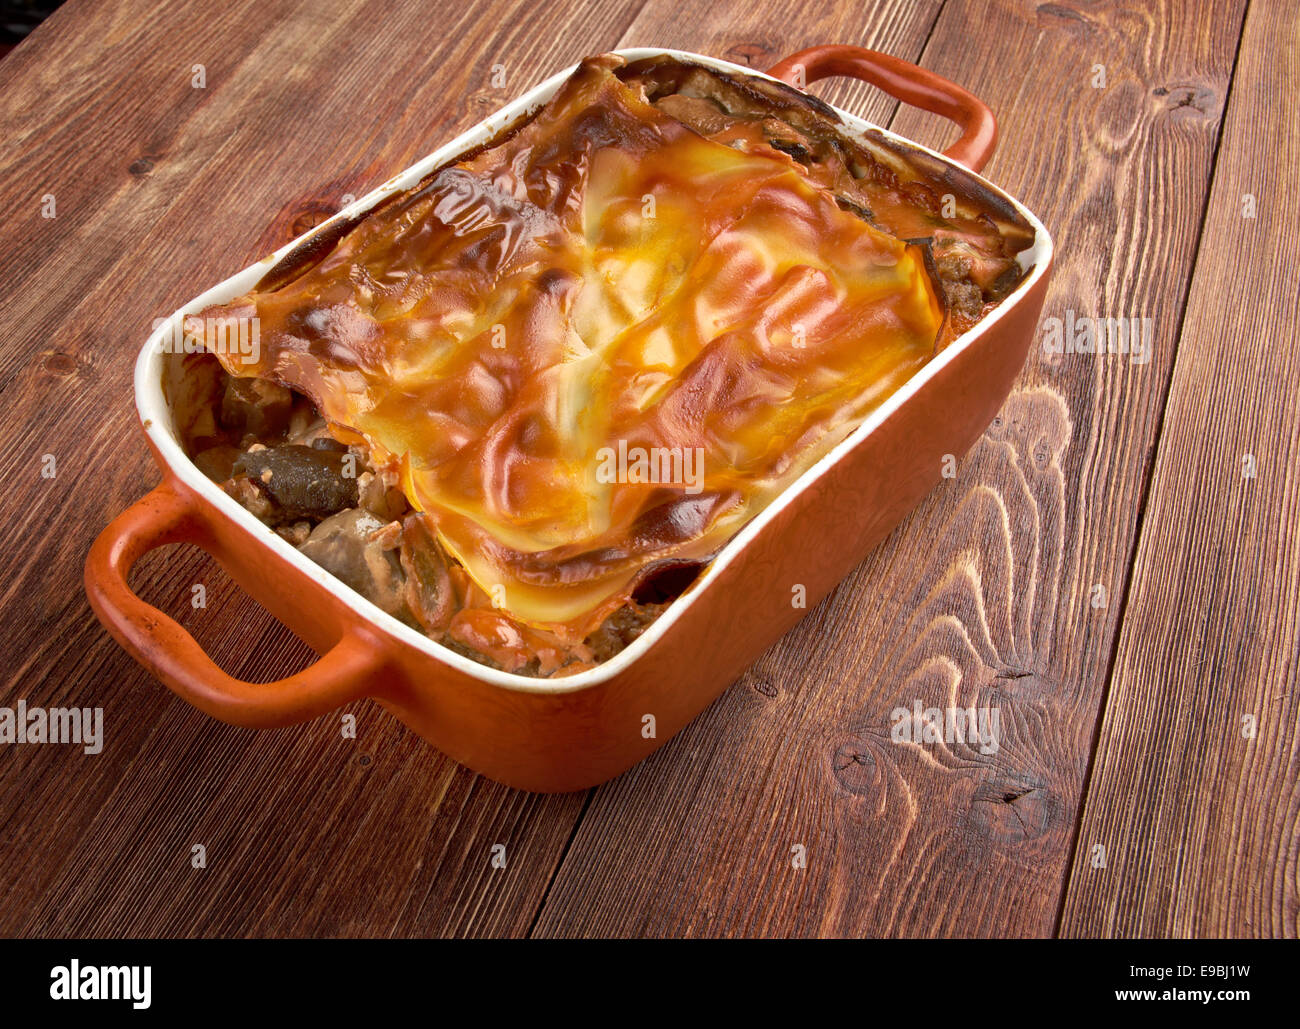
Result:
x=561 y=741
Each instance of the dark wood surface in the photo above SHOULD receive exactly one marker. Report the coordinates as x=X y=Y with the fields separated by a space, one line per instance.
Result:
x=1121 y=722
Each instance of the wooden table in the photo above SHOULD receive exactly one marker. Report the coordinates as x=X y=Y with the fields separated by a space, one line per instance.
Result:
x=1115 y=567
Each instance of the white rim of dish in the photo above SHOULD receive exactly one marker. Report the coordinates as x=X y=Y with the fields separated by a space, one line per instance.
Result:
x=156 y=416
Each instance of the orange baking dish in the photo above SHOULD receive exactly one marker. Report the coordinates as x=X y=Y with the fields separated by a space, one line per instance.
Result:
x=574 y=731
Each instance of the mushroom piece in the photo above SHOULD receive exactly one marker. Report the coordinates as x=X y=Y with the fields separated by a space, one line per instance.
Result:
x=302 y=482
x=350 y=547
x=429 y=593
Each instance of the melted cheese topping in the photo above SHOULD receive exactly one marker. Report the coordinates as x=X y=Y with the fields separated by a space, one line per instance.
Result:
x=540 y=335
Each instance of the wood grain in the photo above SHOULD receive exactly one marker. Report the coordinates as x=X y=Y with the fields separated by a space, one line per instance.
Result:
x=983 y=597
x=1197 y=816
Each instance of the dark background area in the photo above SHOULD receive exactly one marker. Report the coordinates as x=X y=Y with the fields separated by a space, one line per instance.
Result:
x=19 y=17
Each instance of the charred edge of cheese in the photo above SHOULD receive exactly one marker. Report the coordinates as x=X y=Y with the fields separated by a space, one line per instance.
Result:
x=975 y=235
x=752 y=97
x=604 y=281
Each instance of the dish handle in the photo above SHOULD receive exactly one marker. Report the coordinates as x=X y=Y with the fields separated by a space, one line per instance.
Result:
x=160 y=644
x=906 y=82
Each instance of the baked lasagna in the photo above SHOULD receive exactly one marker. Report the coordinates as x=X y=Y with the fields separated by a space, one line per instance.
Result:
x=520 y=405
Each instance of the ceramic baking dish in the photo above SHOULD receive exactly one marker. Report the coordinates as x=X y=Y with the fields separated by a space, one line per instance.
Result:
x=569 y=733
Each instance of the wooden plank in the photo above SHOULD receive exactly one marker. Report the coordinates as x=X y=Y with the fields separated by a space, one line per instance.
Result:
x=1199 y=818
x=162 y=189
x=985 y=595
